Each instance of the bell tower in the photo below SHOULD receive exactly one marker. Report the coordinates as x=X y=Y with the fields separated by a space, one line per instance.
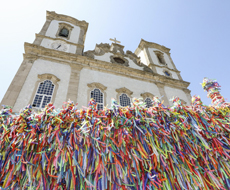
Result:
x=62 y=33
x=47 y=73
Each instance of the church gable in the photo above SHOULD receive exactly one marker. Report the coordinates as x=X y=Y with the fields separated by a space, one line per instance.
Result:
x=115 y=54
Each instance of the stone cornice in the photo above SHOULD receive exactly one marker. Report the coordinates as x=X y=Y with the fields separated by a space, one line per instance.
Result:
x=49 y=76
x=97 y=85
x=163 y=66
x=147 y=95
x=70 y=59
x=145 y=44
x=51 y=15
x=124 y=90
x=64 y=40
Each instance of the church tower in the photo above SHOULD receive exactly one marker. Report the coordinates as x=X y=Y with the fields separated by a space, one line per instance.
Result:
x=43 y=76
x=56 y=68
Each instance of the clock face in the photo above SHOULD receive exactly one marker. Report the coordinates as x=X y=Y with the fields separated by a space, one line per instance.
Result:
x=59 y=45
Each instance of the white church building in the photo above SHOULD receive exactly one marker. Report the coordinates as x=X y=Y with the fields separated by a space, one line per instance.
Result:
x=56 y=68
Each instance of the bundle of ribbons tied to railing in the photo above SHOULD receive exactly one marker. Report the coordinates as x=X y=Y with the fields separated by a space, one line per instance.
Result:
x=177 y=147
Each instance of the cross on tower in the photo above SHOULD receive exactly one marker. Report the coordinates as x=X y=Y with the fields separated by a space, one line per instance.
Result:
x=115 y=40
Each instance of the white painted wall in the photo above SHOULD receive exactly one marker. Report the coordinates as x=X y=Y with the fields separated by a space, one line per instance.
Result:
x=170 y=92
x=112 y=82
x=53 y=28
x=48 y=42
x=41 y=67
x=160 y=71
x=143 y=57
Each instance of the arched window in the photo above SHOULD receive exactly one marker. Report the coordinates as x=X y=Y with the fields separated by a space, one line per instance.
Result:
x=64 y=32
x=160 y=57
x=148 y=102
x=98 y=96
x=147 y=97
x=44 y=94
x=124 y=100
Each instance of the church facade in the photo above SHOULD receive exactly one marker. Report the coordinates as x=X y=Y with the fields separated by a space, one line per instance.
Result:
x=56 y=68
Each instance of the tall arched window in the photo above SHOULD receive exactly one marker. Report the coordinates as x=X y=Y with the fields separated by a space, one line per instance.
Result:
x=98 y=96
x=124 y=100
x=148 y=102
x=44 y=94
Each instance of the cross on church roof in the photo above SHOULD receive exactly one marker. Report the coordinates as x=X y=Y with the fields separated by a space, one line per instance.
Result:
x=115 y=40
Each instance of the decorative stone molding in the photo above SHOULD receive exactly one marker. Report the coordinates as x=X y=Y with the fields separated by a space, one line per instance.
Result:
x=147 y=69
x=117 y=48
x=101 y=49
x=30 y=57
x=187 y=91
x=68 y=58
x=113 y=57
x=62 y=39
x=124 y=90
x=51 y=15
x=48 y=76
x=64 y=25
x=163 y=66
x=89 y=54
x=145 y=44
x=147 y=95
x=99 y=86
x=134 y=58
x=41 y=78
x=105 y=47
x=82 y=24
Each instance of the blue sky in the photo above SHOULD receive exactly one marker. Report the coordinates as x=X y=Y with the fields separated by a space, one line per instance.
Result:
x=197 y=32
